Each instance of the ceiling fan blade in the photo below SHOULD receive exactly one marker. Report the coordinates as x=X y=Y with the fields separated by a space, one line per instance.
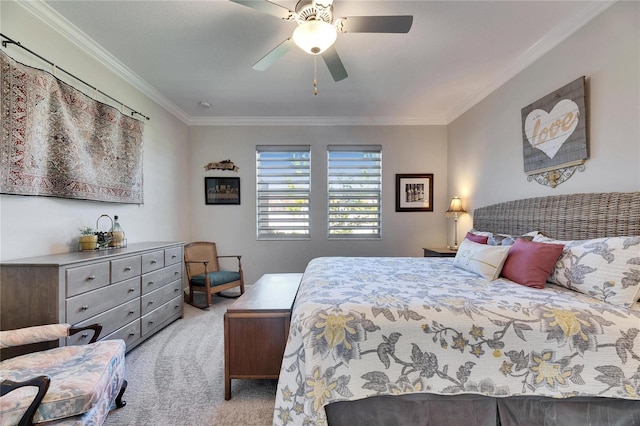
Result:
x=336 y=68
x=268 y=8
x=271 y=57
x=375 y=24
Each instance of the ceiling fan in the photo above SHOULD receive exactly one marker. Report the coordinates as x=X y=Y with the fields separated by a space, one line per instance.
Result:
x=317 y=30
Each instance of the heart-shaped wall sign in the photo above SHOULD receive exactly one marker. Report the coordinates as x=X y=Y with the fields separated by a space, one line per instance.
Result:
x=548 y=131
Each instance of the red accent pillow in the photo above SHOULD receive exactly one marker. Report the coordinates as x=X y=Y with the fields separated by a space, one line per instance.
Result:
x=529 y=263
x=477 y=238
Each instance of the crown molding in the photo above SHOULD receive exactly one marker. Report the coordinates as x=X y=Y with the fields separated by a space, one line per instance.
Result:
x=550 y=40
x=316 y=121
x=57 y=22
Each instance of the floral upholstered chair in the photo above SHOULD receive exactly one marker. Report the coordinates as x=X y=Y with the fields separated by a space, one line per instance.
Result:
x=75 y=384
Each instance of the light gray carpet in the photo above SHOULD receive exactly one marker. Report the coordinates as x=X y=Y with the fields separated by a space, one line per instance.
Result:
x=177 y=378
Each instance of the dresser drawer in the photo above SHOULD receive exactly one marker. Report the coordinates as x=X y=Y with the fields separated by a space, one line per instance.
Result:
x=130 y=333
x=110 y=320
x=152 y=261
x=172 y=255
x=123 y=269
x=84 y=306
x=156 y=279
x=158 y=297
x=86 y=278
x=160 y=316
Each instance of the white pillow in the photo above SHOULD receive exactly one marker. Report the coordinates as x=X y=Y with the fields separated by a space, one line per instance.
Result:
x=481 y=259
x=605 y=268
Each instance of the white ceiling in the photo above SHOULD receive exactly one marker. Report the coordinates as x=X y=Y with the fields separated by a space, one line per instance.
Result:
x=185 y=52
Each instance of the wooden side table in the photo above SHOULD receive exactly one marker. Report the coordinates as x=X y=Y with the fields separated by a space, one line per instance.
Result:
x=439 y=252
x=256 y=328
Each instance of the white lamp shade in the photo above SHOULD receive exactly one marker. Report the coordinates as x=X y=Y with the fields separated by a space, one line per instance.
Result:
x=314 y=37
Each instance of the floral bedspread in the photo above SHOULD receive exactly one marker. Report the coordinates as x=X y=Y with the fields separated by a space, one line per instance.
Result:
x=362 y=327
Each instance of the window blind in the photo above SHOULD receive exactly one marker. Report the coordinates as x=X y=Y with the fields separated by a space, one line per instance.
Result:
x=354 y=185
x=283 y=191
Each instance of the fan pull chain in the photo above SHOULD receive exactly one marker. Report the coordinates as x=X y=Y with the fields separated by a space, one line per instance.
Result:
x=315 y=75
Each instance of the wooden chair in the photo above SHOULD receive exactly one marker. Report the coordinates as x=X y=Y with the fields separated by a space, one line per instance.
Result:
x=204 y=275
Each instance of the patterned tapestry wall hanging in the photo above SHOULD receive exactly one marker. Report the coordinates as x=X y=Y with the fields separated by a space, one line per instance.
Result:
x=554 y=135
x=58 y=142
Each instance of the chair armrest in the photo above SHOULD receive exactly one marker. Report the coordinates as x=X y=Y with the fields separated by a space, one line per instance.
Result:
x=236 y=256
x=35 y=334
x=97 y=328
x=41 y=382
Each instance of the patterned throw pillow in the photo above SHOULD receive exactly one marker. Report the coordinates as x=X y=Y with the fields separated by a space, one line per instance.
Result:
x=605 y=268
x=506 y=240
x=481 y=259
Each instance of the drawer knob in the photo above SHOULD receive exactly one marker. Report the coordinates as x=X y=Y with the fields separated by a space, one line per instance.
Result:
x=150 y=302
x=91 y=277
x=128 y=268
x=132 y=334
x=176 y=289
x=84 y=308
x=150 y=322
x=174 y=256
x=84 y=335
x=176 y=273
x=132 y=312
x=150 y=283
x=131 y=290
x=153 y=262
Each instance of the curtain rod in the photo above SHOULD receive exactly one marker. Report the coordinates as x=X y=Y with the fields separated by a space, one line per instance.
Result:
x=10 y=41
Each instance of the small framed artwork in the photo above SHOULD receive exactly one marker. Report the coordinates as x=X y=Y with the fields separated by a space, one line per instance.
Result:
x=414 y=192
x=222 y=190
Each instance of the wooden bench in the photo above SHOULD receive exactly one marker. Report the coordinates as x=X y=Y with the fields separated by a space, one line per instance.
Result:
x=256 y=328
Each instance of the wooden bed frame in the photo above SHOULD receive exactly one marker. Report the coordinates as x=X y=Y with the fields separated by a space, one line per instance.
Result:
x=564 y=217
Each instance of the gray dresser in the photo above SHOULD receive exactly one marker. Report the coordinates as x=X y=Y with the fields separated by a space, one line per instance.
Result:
x=132 y=292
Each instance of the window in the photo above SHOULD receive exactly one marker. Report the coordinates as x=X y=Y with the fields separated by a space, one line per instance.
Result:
x=354 y=177
x=283 y=191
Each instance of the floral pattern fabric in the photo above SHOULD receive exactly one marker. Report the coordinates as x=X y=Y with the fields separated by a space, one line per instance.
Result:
x=363 y=327
x=82 y=378
x=605 y=268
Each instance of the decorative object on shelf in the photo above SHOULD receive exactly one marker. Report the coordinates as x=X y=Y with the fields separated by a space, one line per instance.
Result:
x=87 y=241
x=104 y=237
x=414 y=192
x=555 y=142
x=222 y=165
x=117 y=235
x=96 y=150
x=222 y=190
x=455 y=210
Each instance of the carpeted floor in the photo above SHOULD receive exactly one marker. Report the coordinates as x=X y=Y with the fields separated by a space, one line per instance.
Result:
x=177 y=378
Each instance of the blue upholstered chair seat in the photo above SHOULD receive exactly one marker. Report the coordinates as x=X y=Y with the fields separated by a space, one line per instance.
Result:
x=216 y=278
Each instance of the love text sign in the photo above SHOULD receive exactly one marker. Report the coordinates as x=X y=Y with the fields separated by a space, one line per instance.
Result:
x=554 y=129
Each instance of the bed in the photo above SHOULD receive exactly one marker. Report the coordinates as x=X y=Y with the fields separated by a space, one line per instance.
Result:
x=425 y=341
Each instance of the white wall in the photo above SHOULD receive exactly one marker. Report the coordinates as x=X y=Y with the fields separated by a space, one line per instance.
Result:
x=406 y=149
x=485 y=143
x=32 y=226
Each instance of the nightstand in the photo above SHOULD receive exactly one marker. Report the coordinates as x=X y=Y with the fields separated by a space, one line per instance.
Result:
x=439 y=252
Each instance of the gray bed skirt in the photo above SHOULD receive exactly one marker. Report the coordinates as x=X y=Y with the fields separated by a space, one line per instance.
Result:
x=478 y=410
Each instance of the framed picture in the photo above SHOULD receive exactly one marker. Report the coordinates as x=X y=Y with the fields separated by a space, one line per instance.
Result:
x=414 y=193
x=222 y=190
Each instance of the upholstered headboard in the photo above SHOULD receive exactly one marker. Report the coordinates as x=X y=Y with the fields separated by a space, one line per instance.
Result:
x=565 y=217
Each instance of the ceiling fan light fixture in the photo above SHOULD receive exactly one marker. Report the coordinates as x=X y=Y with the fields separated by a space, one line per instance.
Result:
x=314 y=37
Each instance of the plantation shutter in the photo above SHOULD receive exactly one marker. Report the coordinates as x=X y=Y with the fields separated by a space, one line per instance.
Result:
x=283 y=191
x=354 y=175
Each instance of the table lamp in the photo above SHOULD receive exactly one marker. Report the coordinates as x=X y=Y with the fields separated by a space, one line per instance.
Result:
x=455 y=209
